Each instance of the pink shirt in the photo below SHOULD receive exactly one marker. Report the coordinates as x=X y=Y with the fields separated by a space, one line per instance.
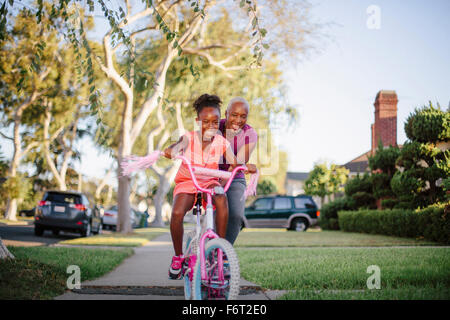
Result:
x=208 y=158
x=247 y=135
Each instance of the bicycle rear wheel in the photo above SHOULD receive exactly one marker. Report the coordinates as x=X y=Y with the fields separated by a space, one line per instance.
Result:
x=212 y=288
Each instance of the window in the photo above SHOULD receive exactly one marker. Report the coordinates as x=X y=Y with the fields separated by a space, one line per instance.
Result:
x=85 y=200
x=63 y=198
x=282 y=203
x=263 y=204
x=303 y=203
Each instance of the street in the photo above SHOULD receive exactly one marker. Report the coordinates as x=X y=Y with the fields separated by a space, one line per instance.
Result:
x=23 y=235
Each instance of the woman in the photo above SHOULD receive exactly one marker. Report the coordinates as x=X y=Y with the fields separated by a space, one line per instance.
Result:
x=242 y=138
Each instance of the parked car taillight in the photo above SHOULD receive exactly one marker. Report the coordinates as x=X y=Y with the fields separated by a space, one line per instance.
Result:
x=80 y=207
x=43 y=203
x=318 y=213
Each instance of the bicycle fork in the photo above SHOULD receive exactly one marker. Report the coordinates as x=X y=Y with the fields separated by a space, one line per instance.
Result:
x=210 y=234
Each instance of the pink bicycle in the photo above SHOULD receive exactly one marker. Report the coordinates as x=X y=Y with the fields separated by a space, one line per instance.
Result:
x=211 y=268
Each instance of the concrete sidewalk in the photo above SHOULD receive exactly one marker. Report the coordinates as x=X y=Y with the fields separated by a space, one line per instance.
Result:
x=144 y=276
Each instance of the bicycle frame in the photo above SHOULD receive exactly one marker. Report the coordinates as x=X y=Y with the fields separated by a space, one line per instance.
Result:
x=210 y=233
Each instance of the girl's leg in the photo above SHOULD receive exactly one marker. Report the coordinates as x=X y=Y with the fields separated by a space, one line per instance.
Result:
x=181 y=204
x=236 y=208
x=221 y=203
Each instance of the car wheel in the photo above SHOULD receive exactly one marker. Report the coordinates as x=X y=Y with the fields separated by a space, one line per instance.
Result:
x=299 y=225
x=38 y=231
x=55 y=232
x=87 y=232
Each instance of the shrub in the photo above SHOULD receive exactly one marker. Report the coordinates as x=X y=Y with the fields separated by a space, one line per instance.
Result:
x=358 y=184
x=328 y=215
x=388 y=203
x=428 y=124
x=432 y=223
x=381 y=183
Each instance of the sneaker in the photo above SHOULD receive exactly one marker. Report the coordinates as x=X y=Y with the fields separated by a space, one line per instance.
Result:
x=176 y=267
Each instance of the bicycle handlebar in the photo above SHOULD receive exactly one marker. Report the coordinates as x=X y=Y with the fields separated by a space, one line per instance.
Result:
x=194 y=179
x=131 y=164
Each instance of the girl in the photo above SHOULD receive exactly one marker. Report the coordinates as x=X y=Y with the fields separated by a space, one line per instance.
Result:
x=203 y=148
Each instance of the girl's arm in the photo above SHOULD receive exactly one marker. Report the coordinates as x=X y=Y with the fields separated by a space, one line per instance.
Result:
x=176 y=148
x=230 y=157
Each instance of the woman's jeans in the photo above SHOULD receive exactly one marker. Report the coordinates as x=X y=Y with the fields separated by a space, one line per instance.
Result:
x=236 y=207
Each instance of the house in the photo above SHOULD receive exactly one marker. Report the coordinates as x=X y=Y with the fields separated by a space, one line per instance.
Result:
x=294 y=183
x=384 y=128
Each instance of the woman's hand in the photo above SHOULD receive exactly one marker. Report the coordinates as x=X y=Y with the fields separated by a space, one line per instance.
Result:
x=251 y=168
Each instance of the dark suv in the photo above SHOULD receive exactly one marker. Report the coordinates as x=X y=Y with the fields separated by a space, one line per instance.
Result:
x=68 y=211
x=294 y=213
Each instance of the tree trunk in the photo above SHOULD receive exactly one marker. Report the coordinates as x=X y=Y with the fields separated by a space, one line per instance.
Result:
x=4 y=252
x=80 y=182
x=11 y=210
x=123 y=201
x=108 y=196
x=158 y=200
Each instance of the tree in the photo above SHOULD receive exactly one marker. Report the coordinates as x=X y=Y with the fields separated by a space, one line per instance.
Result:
x=19 y=94
x=265 y=187
x=382 y=164
x=325 y=181
x=423 y=163
x=317 y=182
x=4 y=252
x=194 y=39
x=44 y=104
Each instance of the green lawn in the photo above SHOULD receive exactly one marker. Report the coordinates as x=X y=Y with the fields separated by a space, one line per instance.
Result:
x=341 y=273
x=138 y=238
x=41 y=272
x=315 y=238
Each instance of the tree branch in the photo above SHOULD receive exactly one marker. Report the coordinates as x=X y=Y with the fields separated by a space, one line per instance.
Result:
x=5 y=136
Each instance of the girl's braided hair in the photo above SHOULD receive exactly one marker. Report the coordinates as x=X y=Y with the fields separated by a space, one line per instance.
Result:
x=207 y=100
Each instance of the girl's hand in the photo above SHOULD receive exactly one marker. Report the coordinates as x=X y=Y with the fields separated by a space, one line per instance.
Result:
x=168 y=153
x=251 y=168
x=222 y=182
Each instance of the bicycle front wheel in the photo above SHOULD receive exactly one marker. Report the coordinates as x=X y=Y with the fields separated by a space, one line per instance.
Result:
x=189 y=252
x=214 y=288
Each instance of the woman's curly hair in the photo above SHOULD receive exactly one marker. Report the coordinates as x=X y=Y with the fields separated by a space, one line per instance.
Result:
x=207 y=100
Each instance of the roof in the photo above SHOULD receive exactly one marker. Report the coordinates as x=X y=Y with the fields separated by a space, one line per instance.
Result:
x=301 y=176
x=359 y=164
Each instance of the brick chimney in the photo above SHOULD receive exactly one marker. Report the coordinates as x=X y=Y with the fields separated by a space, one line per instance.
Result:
x=385 y=126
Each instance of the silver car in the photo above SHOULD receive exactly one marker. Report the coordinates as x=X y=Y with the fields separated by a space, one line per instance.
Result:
x=110 y=218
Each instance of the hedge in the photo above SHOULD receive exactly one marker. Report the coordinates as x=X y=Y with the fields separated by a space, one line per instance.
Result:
x=328 y=214
x=431 y=223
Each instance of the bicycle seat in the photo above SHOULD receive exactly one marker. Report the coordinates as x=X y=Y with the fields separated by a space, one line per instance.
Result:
x=200 y=202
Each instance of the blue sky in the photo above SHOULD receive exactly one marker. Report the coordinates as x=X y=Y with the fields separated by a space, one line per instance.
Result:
x=334 y=91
